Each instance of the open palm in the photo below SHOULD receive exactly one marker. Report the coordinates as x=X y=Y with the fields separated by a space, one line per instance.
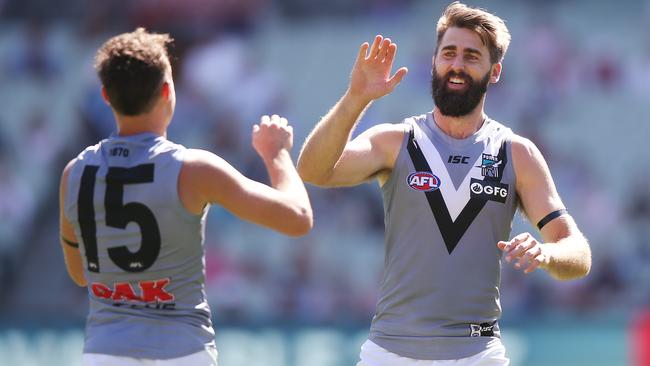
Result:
x=370 y=77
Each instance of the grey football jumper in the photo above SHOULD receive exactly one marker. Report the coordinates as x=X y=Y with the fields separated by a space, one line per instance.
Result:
x=447 y=203
x=142 y=250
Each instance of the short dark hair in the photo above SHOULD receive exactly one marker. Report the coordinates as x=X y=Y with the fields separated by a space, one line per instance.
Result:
x=489 y=27
x=132 y=68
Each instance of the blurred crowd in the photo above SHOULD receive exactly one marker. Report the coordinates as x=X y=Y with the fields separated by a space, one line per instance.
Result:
x=577 y=90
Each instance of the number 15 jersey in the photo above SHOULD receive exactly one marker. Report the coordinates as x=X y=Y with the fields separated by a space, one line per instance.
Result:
x=142 y=250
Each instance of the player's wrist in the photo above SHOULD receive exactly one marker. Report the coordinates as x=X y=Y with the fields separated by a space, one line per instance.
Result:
x=278 y=159
x=356 y=99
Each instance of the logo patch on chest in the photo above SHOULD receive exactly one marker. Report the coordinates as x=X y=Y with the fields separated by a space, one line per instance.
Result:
x=489 y=190
x=423 y=181
x=490 y=166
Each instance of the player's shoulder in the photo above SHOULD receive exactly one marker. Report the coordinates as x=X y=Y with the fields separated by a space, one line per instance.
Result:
x=163 y=145
x=198 y=161
x=84 y=155
x=496 y=130
x=408 y=123
x=196 y=156
x=203 y=170
x=398 y=129
x=387 y=137
x=526 y=155
x=90 y=151
x=523 y=146
x=387 y=130
x=66 y=170
x=419 y=118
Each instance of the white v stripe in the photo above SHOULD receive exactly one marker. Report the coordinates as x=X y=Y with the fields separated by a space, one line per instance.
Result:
x=455 y=200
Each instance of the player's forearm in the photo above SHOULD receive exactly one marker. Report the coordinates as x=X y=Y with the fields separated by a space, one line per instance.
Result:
x=325 y=144
x=569 y=258
x=75 y=271
x=297 y=208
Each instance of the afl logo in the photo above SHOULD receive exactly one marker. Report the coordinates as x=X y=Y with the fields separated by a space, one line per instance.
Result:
x=423 y=181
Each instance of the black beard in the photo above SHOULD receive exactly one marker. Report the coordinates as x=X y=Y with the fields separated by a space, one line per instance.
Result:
x=453 y=103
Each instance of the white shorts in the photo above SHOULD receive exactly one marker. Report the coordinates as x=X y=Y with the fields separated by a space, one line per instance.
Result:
x=207 y=357
x=374 y=355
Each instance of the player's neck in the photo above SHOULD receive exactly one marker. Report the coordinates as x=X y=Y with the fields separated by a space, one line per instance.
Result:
x=144 y=123
x=460 y=127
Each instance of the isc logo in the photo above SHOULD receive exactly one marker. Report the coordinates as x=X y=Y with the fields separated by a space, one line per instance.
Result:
x=423 y=181
x=458 y=159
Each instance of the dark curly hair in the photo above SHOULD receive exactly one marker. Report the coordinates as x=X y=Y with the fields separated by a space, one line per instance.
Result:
x=132 y=68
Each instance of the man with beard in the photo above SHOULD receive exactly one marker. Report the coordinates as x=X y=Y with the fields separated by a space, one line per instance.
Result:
x=451 y=181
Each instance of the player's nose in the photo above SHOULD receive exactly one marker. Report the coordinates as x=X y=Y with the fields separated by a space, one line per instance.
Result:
x=458 y=65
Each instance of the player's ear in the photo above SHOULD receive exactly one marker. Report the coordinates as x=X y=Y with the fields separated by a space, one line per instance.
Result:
x=165 y=91
x=495 y=72
x=433 y=62
x=105 y=96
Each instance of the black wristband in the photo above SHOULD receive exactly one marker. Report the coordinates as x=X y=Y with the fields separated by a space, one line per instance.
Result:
x=70 y=243
x=551 y=216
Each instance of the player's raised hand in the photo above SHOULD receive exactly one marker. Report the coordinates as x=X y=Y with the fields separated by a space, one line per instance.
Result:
x=371 y=75
x=526 y=250
x=272 y=135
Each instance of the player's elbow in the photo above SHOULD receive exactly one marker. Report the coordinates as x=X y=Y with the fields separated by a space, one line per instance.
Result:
x=74 y=268
x=310 y=173
x=576 y=273
x=79 y=279
x=575 y=262
x=579 y=268
x=301 y=224
x=583 y=264
x=295 y=221
x=318 y=179
x=306 y=175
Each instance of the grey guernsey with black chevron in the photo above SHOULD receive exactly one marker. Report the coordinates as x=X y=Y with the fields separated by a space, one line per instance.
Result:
x=447 y=203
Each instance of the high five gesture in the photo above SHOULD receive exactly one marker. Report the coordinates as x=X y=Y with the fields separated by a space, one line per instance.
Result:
x=328 y=158
x=370 y=78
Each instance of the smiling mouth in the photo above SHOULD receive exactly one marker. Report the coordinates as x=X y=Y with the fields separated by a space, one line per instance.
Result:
x=457 y=83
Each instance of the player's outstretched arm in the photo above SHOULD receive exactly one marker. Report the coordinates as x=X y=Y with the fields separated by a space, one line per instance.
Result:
x=565 y=253
x=284 y=207
x=326 y=157
x=68 y=239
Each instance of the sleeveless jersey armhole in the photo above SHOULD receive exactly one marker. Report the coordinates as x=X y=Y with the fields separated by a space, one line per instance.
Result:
x=69 y=203
x=182 y=210
x=408 y=131
x=508 y=142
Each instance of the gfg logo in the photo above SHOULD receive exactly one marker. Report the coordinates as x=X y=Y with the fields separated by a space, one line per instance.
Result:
x=423 y=181
x=493 y=191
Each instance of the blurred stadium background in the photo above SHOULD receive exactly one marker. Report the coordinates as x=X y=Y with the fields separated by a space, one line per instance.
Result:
x=576 y=81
